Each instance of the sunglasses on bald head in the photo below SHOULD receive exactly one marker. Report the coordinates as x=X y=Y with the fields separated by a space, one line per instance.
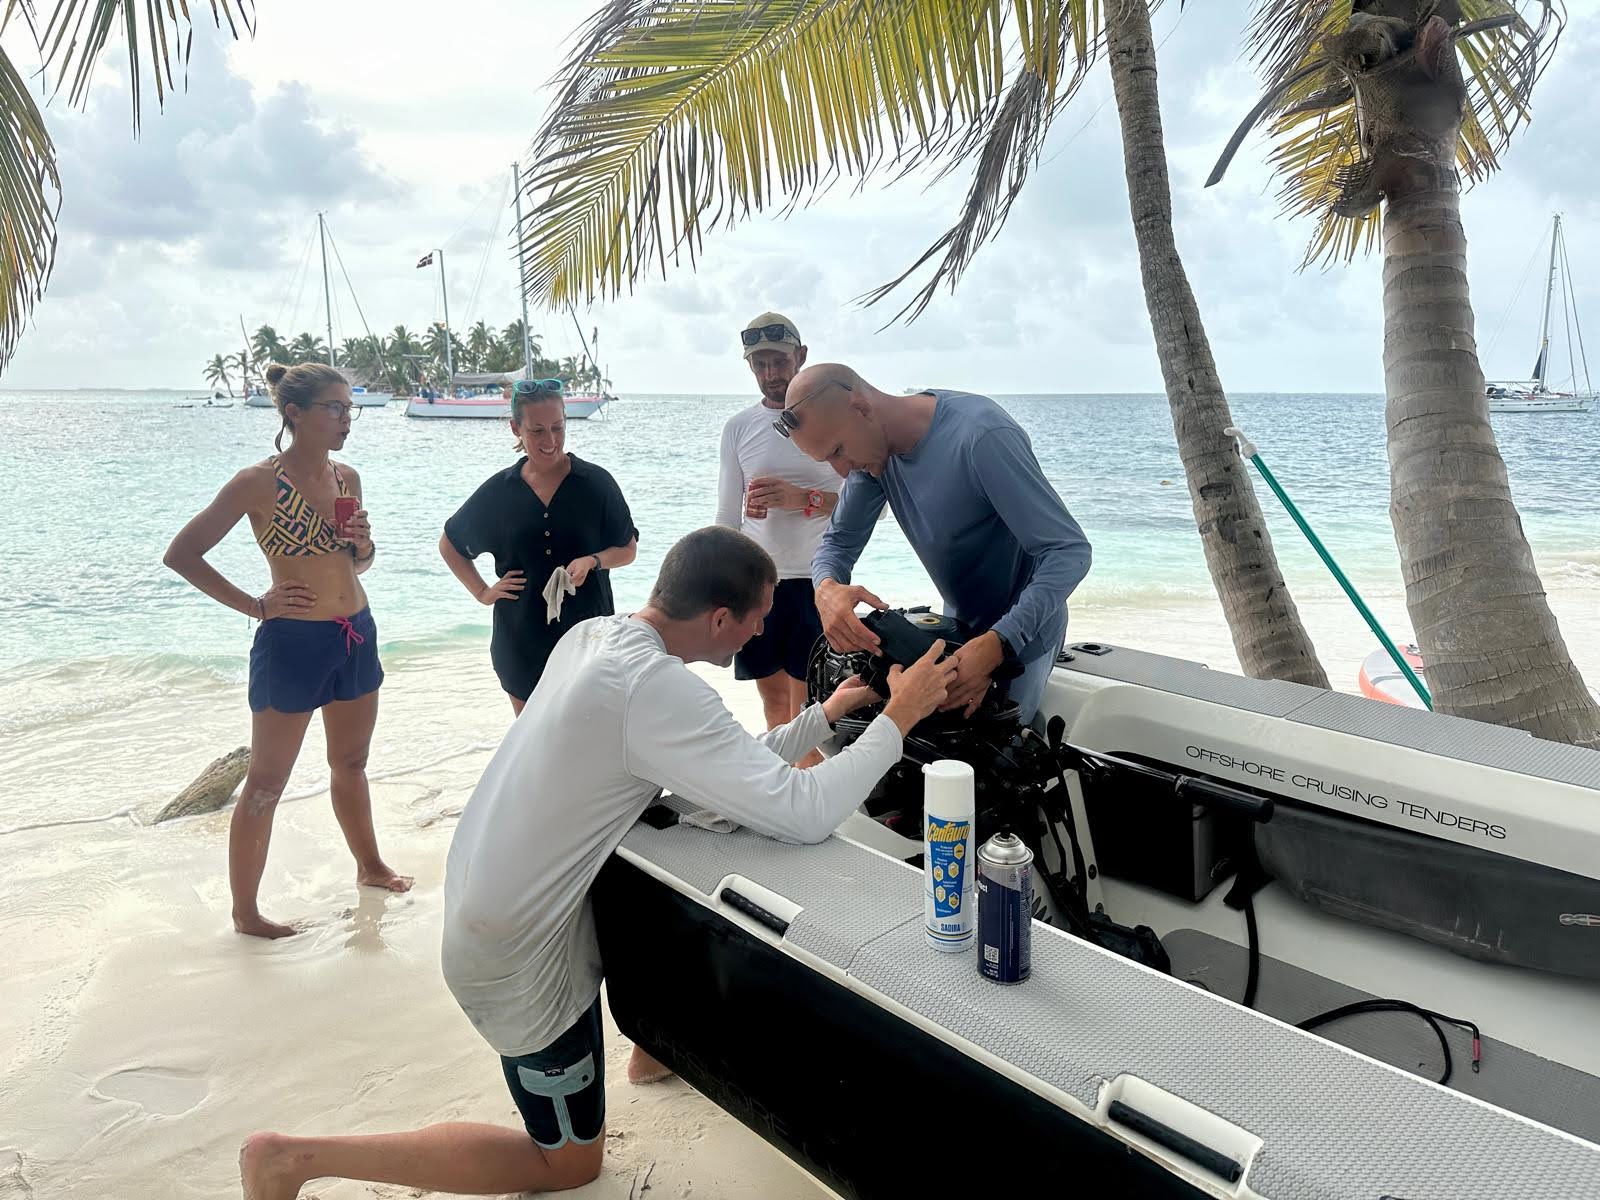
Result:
x=776 y=332
x=787 y=421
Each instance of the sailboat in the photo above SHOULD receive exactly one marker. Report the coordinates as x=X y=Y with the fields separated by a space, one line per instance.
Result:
x=1535 y=395
x=486 y=403
x=361 y=397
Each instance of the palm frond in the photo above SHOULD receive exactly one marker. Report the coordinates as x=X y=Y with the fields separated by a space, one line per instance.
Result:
x=676 y=116
x=30 y=198
x=78 y=31
x=1316 y=129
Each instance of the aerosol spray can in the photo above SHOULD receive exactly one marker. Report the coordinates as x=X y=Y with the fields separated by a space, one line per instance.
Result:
x=1005 y=909
x=947 y=810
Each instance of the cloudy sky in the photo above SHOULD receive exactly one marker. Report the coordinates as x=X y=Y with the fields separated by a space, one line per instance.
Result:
x=401 y=121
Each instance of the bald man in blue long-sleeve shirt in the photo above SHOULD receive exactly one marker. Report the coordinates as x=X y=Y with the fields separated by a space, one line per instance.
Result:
x=960 y=476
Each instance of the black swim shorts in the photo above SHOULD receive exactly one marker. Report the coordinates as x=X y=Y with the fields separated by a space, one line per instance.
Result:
x=561 y=1090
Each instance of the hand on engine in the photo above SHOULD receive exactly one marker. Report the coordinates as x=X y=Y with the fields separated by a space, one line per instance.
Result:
x=847 y=697
x=916 y=691
x=836 y=605
x=976 y=663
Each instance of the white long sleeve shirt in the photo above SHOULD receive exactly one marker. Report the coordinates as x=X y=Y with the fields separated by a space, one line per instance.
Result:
x=614 y=720
x=751 y=447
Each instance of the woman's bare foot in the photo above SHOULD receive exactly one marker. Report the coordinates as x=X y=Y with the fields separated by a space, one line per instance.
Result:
x=256 y=925
x=644 y=1069
x=266 y=1168
x=380 y=876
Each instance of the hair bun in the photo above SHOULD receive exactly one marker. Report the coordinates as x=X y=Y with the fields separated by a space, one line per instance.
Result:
x=275 y=372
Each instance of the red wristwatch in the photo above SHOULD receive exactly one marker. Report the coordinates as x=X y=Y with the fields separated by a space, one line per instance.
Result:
x=814 y=500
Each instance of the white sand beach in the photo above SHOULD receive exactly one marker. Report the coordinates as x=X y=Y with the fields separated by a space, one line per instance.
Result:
x=141 y=1039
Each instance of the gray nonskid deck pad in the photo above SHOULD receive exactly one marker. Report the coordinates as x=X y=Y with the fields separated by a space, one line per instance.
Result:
x=1336 y=1126
x=1512 y=1077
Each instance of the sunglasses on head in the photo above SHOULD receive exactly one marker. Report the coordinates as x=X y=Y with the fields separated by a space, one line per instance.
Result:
x=536 y=387
x=776 y=332
x=787 y=421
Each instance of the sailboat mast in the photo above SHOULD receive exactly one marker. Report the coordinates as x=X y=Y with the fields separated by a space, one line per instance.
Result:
x=1544 y=322
x=522 y=291
x=449 y=363
x=327 y=294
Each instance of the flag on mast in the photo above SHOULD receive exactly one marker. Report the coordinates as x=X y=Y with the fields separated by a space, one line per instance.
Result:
x=425 y=261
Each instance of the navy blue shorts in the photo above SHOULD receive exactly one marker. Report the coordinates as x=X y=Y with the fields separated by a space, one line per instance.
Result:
x=561 y=1090
x=299 y=666
x=787 y=636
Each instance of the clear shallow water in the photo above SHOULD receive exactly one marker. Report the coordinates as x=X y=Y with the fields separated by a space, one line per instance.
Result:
x=100 y=481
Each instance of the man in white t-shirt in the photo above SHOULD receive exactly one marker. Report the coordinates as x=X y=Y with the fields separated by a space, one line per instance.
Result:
x=616 y=717
x=780 y=497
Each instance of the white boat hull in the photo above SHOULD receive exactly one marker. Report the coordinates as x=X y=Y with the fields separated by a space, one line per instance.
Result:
x=371 y=399
x=256 y=400
x=1535 y=404
x=488 y=409
x=581 y=408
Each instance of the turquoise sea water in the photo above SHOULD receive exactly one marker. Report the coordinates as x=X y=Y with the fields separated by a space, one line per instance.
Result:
x=100 y=481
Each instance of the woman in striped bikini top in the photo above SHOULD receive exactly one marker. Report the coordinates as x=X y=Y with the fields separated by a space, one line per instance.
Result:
x=316 y=647
x=297 y=529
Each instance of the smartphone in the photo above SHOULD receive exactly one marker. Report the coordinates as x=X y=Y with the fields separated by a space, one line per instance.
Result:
x=344 y=507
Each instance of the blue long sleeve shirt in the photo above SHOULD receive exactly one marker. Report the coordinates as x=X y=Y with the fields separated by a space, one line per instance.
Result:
x=994 y=536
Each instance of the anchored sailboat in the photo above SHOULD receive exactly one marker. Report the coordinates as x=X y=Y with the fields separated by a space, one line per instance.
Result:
x=1535 y=395
x=361 y=397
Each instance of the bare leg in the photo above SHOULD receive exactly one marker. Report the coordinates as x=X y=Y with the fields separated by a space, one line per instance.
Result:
x=464 y=1159
x=797 y=701
x=775 y=699
x=348 y=724
x=642 y=1068
x=275 y=739
x=516 y=705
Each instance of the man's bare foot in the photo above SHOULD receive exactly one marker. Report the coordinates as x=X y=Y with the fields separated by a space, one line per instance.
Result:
x=265 y=1168
x=644 y=1069
x=381 y=876
x=258 y=926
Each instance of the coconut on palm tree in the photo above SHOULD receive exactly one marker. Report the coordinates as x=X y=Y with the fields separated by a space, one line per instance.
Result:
x=1377 y=109
x=827 y=89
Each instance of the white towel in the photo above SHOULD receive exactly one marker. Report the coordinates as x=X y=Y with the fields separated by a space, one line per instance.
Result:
x=557 y=590
x=708 y=820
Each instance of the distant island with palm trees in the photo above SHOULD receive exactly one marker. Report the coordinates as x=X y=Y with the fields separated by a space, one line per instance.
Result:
x=402 y=363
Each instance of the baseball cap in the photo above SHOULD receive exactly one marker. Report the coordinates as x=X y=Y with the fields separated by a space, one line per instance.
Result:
x=769 y=335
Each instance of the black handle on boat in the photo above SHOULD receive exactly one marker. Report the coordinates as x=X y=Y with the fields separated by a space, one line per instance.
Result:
x=1220 y=795
x=1179 y=1143
x=1185 y=787
x=755 y=912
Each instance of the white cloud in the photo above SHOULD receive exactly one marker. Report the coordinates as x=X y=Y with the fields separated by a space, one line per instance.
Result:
x=403 y=129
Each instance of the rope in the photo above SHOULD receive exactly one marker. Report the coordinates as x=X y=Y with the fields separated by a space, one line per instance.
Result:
x=305 y=257
x=1583 y=355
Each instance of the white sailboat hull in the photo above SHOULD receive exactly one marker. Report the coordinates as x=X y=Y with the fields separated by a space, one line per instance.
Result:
x=491 y=408
x=581 y=408
x=1539 y=404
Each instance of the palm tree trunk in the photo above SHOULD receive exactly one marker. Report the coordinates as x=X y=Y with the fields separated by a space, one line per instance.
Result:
x=1486 y=632
x=1267 y=633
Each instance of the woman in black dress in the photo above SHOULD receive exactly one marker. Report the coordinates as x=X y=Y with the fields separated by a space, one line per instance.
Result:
x=550 y=509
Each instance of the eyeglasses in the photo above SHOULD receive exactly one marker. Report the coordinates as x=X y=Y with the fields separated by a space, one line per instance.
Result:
x=787 y=421
x=776 y=332
x=536 y=387
x=339 y=410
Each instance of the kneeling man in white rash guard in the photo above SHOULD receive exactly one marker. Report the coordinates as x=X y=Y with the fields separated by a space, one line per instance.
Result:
x=616 y=717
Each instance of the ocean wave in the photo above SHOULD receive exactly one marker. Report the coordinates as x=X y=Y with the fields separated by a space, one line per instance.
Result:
x=43 y=693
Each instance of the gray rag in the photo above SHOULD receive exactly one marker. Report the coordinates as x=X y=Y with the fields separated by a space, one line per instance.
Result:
x=557 y=590
x=708 y=820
